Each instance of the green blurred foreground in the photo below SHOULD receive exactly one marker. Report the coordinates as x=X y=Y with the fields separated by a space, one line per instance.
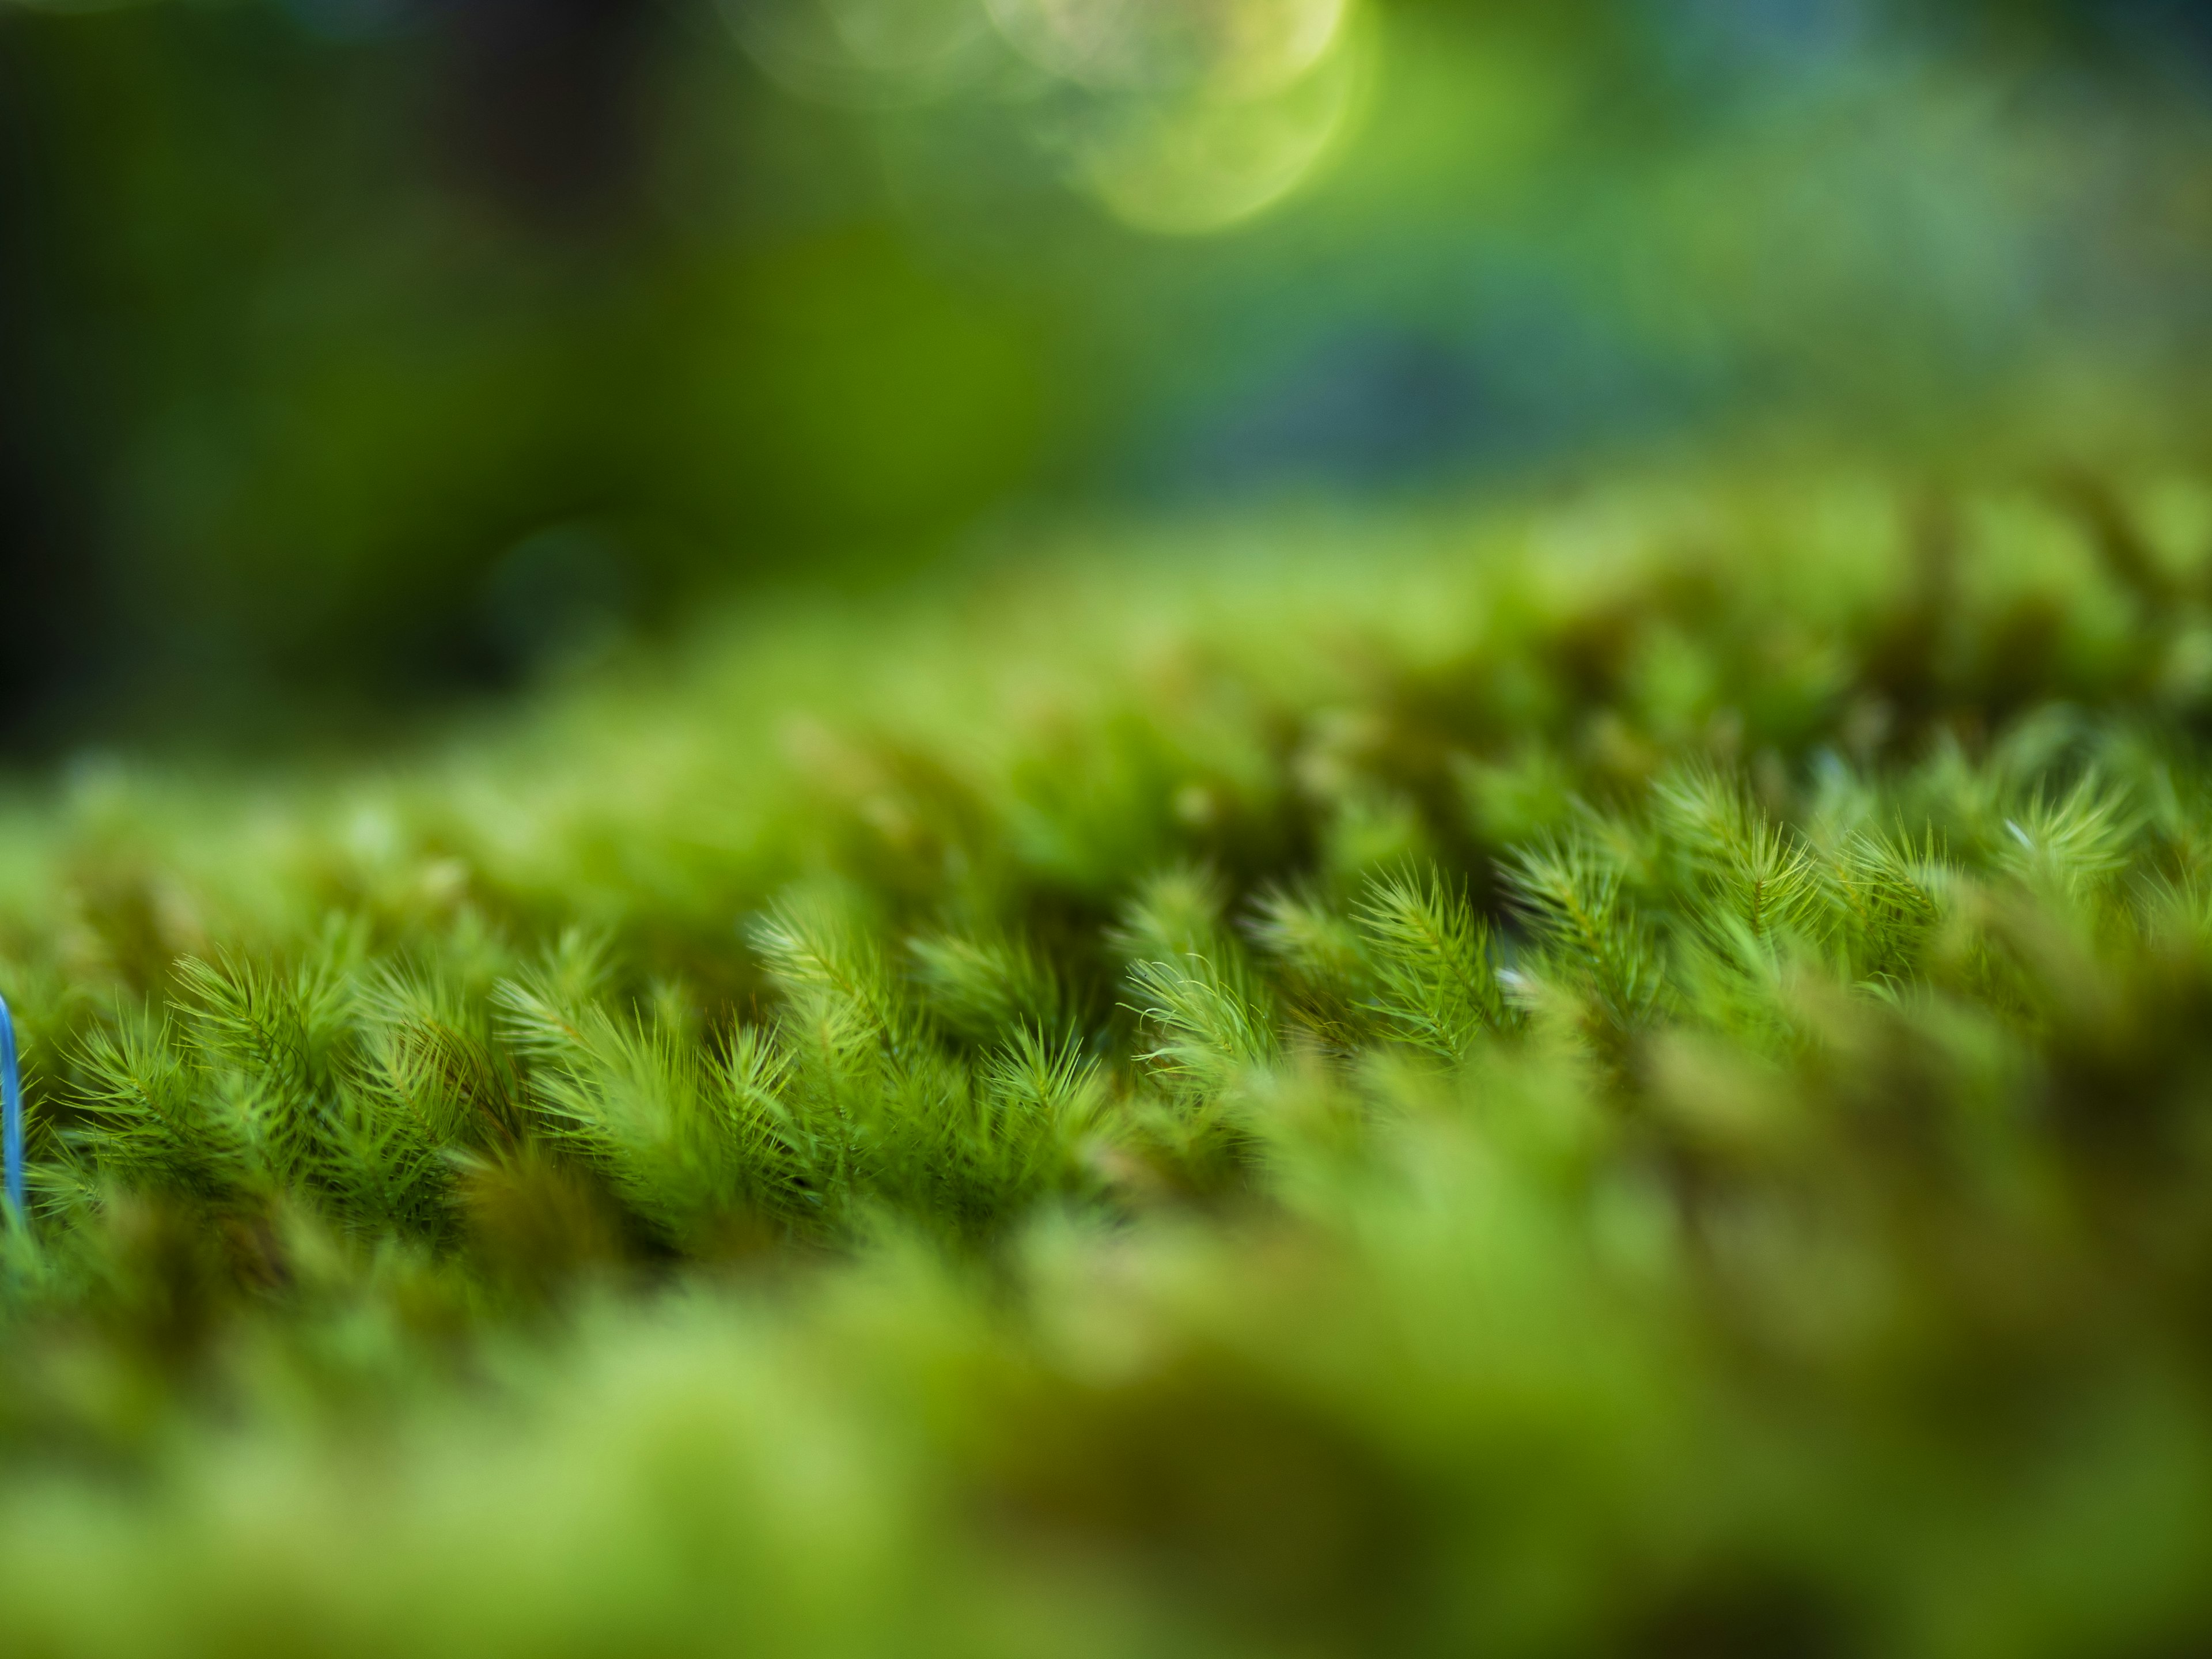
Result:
x=1633 y=1078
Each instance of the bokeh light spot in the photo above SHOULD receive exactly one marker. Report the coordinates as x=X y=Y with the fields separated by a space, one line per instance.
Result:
x=1194 y=165
x=1224 y=48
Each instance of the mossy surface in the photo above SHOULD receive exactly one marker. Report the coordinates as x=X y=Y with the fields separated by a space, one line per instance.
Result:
x=1633 y=1076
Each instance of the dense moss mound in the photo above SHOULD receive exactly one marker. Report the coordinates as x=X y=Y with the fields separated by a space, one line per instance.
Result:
x=1632 y=1077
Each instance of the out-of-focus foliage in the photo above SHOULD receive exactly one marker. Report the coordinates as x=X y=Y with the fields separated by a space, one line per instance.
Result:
x=1626 y=1077
x=353 y=351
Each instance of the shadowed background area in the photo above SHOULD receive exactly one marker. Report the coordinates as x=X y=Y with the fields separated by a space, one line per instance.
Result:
x=357 y=356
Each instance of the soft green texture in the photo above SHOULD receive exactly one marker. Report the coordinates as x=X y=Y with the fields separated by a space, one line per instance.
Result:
x=1629 y=1076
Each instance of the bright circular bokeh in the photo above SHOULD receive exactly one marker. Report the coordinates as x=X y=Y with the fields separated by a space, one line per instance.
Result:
x=1222 y=48
x=1179 y=117
x=1204 y=162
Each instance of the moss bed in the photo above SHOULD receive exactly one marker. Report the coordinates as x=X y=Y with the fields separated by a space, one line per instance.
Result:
x=1627 y=1075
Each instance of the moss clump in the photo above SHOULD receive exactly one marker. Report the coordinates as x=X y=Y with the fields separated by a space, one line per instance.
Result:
x=1636 y=1078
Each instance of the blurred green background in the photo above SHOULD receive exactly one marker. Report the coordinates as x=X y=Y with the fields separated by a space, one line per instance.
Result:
x=361 y=355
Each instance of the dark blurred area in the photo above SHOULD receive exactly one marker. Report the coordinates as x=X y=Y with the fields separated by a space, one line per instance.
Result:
x=360 y=355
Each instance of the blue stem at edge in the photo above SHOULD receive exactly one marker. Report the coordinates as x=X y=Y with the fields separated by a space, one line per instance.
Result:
x=11 y=1105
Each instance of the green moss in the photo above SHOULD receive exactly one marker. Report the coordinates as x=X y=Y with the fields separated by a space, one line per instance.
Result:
x=1635 y=1076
